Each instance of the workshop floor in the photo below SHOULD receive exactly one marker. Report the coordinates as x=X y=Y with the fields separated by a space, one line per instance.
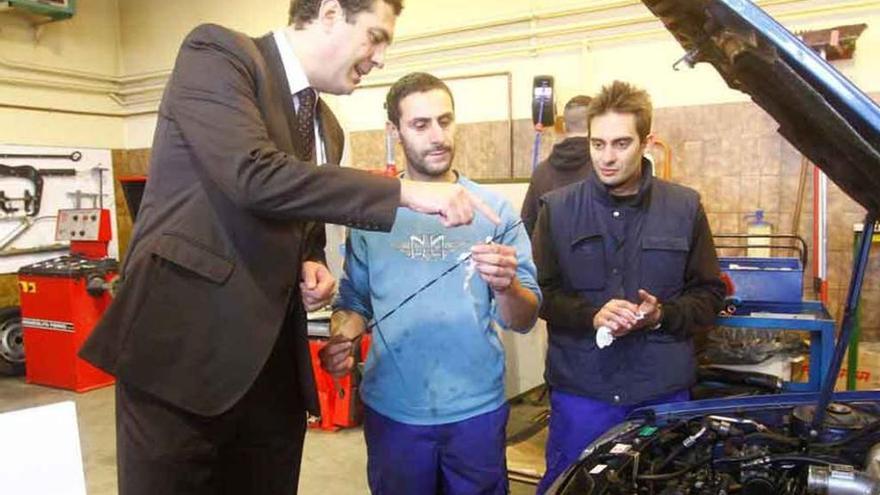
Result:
x=333 y=463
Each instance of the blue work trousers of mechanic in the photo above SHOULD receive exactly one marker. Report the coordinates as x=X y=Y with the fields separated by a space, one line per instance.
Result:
x=462 y=458
x=576 y=421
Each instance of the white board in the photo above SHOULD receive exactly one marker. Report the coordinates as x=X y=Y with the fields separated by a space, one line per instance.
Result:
x=17 y=231
x=41 y=451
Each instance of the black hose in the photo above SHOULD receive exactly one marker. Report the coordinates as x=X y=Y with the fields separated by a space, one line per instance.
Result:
x=676 y=451
x=776 y=437
x=675 y=474
x=803 y=459
x=775 y=459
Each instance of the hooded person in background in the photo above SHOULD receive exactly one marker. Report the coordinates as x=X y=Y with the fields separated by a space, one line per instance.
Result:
x=569 y=161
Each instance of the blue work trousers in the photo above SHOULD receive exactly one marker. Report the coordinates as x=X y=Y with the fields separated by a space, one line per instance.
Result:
x=462 y=458
x=576 y=421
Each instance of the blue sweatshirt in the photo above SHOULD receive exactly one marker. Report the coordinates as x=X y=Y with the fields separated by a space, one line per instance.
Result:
x=448 y=360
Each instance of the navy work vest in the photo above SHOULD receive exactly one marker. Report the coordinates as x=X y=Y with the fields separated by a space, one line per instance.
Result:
x=598 y=265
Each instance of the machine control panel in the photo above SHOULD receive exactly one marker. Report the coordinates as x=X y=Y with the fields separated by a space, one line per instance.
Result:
x=82 y=225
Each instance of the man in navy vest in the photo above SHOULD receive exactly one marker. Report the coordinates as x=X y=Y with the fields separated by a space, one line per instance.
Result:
x=628 y=271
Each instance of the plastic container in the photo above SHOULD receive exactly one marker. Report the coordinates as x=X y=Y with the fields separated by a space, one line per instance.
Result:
x=757 y=226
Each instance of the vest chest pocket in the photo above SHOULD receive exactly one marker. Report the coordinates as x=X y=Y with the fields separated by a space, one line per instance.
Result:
x=663 y=263
x=586 y=267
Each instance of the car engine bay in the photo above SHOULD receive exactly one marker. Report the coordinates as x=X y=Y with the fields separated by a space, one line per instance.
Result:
x=770 y=451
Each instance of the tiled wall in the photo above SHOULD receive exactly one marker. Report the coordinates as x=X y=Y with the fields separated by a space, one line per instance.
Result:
x=483 y=150
x=733 y=156
x=730 y=153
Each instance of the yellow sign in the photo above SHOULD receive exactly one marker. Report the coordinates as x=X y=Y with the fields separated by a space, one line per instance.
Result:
x=27 y=287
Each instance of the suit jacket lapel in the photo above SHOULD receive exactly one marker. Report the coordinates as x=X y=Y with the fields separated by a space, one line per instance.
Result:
x=330 y=134
x=278 y=78
x=329 y=127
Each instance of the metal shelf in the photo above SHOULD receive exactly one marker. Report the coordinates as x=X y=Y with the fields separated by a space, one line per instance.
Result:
x=806 y=316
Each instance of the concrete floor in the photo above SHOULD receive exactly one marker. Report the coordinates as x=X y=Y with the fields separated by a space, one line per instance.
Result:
x=333 y=463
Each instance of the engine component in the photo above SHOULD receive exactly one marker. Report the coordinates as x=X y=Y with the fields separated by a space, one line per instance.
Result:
x=759 y=484
x=840 y=420
x=840 y=480
x=733 y=452
x=872 y=461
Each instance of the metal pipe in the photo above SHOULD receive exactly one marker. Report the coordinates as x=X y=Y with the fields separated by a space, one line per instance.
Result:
x=840 y=480
x=860 y=264
x=872 y=461
x=799 y=201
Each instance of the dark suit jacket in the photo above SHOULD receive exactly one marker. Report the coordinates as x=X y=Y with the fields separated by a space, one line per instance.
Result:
x=222 y=231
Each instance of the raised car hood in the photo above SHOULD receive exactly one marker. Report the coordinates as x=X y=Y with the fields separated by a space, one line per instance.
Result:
x=818 y=110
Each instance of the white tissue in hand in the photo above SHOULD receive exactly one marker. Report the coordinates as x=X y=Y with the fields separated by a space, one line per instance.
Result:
x=604 y=338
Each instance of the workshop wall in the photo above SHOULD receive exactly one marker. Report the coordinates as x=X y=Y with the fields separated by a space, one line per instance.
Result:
x=58 y=80
x=27 y=226
x=127 y=163
x=733 y=156
x=730 y=153
x=583 y=44
x=95 y=80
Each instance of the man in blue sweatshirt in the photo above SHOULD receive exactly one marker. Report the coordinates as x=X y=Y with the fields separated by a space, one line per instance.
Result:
x=433 y=384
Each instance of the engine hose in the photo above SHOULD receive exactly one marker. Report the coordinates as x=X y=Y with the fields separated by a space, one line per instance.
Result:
x=758 y=460
x=762 y=460
x=675 y=474
x=676 y=451
x=774 y=459
x=776 y=437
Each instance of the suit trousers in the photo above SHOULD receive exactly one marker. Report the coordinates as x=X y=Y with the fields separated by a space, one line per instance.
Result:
x=253 y=448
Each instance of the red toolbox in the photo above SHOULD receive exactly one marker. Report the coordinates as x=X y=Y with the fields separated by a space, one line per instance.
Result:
x=63 y=298
x=58 y=314
x=339 y=400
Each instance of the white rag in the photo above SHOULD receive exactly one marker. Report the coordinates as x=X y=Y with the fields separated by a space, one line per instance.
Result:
x=604 y=337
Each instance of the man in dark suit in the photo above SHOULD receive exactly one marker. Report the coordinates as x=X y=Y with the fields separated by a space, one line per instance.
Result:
x=207 y=334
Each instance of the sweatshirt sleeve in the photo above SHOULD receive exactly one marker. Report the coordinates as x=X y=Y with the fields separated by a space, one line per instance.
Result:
x=703 y=293
x=559 y=307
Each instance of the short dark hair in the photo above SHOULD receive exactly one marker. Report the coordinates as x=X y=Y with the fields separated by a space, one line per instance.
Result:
x=303 y=12
x=575 y=114
x=415 y=82
x=623 y=97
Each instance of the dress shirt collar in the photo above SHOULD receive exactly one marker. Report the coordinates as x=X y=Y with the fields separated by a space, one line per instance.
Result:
x=296 y=76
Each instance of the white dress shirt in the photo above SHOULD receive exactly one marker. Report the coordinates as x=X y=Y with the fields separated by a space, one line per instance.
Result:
x=297 y=80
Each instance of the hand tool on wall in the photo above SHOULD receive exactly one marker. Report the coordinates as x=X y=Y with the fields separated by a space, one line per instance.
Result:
x=74 y=157
x=33 y=202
